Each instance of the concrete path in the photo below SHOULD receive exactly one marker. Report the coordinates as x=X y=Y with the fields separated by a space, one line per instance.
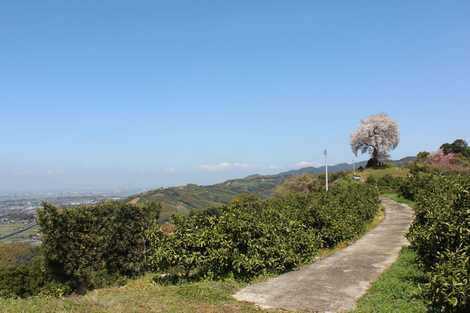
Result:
x=335 y=283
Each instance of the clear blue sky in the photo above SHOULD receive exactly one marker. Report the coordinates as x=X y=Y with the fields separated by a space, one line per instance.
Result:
x=107 y=94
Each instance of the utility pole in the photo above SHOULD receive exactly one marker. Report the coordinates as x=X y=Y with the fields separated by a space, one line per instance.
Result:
x=326 y=170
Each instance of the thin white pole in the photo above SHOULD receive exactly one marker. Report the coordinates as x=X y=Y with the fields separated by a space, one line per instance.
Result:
x=326 y=170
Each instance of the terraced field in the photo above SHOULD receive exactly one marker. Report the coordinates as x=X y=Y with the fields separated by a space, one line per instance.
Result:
x=6 y=229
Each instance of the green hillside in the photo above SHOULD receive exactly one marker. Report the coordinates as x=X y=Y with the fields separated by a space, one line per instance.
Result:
x=183 y=199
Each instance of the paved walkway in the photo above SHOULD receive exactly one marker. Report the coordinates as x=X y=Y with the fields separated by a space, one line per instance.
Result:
x=335 y=283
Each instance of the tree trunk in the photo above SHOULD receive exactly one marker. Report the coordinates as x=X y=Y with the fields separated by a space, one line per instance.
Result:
x=374 y=161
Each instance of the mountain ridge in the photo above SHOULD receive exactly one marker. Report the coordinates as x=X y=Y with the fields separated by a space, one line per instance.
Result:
x=185 y=198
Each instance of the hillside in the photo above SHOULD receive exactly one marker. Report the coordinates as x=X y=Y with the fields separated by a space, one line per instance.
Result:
x=183 y=199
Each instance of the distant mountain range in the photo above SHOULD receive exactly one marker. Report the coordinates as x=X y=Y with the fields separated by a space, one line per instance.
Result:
x=183 y=199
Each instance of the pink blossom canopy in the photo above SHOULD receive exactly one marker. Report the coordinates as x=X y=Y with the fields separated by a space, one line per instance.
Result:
x=377 y=135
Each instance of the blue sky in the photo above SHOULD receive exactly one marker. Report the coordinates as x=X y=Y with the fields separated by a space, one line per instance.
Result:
x=108 y=94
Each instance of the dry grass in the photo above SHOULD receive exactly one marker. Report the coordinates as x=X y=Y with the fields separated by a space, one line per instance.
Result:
x=134 y=201
x=141 y=296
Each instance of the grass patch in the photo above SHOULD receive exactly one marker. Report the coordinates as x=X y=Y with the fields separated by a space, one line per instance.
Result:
x=399 y=198
x=142 y=296
x=6 y=229
x=394 y=171
x=397 y=290
x=9 y=228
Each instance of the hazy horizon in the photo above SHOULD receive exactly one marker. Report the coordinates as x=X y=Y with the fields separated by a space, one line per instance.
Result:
x=206 y=179
x=107 y=95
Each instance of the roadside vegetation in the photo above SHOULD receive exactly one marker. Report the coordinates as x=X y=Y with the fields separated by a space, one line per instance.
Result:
x=398 y=290
x=252 y=238
x=439 y=256
x=200 y=261
x=440 y=235
x=116 y=257
x=141 y=295
x=97 y=246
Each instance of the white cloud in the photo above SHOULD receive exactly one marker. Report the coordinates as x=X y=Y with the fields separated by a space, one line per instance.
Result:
x=303 y=164
x=225 y=166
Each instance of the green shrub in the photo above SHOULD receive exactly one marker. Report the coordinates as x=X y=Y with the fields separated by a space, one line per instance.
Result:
x=22 y=271
x=386 y=183
x=449 y=281
x=24 y=279
x=441 y=236
x=91 y=246
x=343 y=212
x=417 y=181
x=245 y=240
x=249 y=238
x=442 y=217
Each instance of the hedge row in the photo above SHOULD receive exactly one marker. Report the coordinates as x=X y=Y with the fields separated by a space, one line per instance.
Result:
x=441 y=236
x=82 y=248
x=92 y=246
x=88 y=245
x=343 y=212
x=249 y=238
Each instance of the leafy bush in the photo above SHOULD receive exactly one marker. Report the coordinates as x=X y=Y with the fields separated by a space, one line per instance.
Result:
x=449 y=281
x=92 y=246
x=343 y=212
x=414 y=184
x=245 y=240
x=386 y=183
x=249 y=238
x=22 y=272
x=28 y=279
x=441 y=236
x=423 y=156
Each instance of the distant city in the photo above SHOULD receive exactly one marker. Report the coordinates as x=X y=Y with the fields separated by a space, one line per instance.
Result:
x=25 y=204
x=18 y=210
